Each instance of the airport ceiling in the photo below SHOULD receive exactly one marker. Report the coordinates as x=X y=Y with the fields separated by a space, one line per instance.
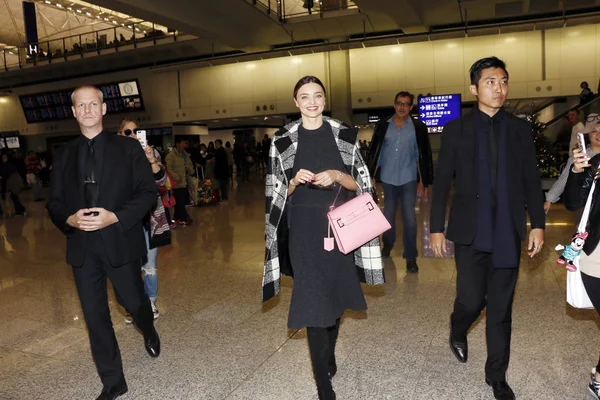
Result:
x=235 y=27
x=240 y=25
x=237 y=24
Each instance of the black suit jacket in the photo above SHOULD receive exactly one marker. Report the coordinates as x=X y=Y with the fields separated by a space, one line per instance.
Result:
x=458 y=163
x=126 y=187
x=425 y=160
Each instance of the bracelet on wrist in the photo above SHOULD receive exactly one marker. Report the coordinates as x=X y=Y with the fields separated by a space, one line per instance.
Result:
x=340 y=176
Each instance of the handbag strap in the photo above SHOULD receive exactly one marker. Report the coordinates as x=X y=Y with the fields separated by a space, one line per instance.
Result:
x=332 y=206
x=586 y=210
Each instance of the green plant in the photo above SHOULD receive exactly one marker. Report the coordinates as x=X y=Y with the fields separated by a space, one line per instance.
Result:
x=547 y=159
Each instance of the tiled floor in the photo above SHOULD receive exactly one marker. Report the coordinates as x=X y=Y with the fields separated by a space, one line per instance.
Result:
x=220 y=342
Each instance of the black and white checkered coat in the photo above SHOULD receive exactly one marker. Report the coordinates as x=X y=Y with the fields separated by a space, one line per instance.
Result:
x=281 y=163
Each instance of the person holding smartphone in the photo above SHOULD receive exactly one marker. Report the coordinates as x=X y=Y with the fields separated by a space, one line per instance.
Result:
x=557 y=189
x=581 y=176
x=156 y=224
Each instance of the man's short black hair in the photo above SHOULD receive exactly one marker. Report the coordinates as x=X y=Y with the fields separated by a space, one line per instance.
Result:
x=179 y=139
x=575 y=110
x=404 y=93
x=485 y=63
x=219 y=141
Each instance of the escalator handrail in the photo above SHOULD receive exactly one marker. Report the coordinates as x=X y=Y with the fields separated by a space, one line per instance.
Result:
x=579 y=107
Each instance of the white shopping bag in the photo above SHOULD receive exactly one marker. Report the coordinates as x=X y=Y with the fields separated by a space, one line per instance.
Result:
x=576 y=294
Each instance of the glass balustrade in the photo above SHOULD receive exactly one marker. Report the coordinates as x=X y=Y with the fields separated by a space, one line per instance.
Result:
x=77 y=46
x=143 y=32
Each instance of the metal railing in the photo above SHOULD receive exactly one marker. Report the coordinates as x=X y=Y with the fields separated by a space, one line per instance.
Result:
x=78 y=46
x=285 y=9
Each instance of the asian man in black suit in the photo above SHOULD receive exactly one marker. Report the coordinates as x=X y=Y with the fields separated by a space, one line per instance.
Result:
x=101 y=189
x=489 y=156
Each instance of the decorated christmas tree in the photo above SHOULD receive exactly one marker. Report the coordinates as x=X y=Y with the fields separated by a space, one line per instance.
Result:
x=547 y=159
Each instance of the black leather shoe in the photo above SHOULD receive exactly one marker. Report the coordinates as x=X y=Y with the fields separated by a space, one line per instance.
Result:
x=152 y=344
x=460 y=350
x=412 y=267
x=332 y=369
x=112 y=393
x=501 y=390
x=326 y=395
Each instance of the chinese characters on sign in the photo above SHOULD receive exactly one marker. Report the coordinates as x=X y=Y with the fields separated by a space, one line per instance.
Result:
x=437 y=111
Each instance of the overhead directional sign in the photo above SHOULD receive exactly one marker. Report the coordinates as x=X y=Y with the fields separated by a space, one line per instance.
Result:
x=437 y=111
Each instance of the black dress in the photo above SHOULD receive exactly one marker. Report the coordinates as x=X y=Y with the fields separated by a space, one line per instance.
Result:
x=325 y=283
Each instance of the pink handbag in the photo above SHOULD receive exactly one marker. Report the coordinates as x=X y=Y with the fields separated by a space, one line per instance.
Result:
x=354 y=223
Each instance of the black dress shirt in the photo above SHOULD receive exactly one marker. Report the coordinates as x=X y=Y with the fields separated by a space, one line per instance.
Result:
x=99 y=146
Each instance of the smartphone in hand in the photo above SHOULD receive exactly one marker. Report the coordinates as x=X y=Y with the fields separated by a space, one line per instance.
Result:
x=581 y=141
x=141 y=135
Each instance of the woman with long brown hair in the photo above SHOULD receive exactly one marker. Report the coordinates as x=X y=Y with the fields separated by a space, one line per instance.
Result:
x=309 y=160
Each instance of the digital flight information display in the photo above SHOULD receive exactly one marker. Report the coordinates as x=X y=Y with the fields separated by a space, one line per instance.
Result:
x=120 y=97
x=437 y=111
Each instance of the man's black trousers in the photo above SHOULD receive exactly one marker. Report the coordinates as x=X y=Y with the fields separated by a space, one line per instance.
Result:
x=91 y=283
x=480 y=285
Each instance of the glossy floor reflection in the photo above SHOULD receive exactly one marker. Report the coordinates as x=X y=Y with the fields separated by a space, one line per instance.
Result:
x=220 y=342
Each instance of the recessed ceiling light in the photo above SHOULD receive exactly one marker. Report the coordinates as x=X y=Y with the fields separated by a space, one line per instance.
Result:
x=70 y=8
x=115 y=22
x=58 y=5
x=48 y=2
x=106 y=19
x=79 y=11
x=89 y=14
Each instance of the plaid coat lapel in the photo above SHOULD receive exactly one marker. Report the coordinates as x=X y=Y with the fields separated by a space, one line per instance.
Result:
x=281 y=163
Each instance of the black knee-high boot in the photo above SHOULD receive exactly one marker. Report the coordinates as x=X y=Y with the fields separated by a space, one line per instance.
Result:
x=332 y=332
x=318 y=343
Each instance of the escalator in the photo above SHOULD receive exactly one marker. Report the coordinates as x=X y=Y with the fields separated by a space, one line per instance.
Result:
x=556 y=124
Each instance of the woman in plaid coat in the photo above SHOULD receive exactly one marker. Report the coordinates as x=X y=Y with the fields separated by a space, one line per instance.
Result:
x=308 y=161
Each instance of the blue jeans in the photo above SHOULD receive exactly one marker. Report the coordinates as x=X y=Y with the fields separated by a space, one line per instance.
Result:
x=407 y=194
x=149 y=271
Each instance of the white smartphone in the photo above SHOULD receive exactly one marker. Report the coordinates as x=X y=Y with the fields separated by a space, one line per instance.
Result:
x=141 y=135
x=580 y=140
